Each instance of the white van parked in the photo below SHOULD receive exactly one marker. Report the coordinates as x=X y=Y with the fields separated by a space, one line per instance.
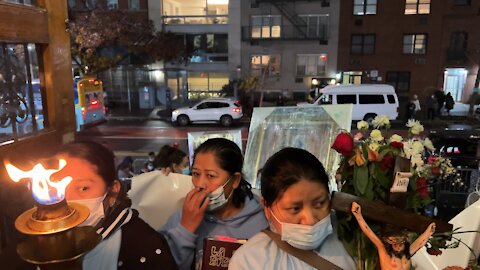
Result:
x=369 y=100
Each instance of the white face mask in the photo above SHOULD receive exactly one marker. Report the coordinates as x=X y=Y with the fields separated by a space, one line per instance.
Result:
x=95 y=206
x=306 y=237
x=217 y=198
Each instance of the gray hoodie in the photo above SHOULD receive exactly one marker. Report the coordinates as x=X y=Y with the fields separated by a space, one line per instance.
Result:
x=186 y=245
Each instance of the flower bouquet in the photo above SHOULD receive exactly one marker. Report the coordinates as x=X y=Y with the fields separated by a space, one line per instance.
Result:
x=366 y=170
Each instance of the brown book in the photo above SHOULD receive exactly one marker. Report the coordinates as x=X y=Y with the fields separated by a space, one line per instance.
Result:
x=217 y=252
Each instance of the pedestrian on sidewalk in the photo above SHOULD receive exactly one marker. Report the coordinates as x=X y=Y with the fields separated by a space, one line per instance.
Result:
x=413 y=108
x=440 y=97
x=410 y=112
x=449 y=103
x=432 y=107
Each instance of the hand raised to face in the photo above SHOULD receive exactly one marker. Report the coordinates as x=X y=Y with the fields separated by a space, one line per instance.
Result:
x=194 y=208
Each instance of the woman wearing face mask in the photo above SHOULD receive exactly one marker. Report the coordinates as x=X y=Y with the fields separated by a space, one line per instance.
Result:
x=127 y=241
x=221 y=203
x=171 y=159
x=296 y=202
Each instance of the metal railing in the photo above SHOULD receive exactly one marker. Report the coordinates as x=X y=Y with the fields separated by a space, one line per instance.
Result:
x=286 y=33
x=196 y=19
x=451 y=193
x=209 y=58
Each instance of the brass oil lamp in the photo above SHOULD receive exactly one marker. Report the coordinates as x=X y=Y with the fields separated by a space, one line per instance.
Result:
x=55 y=241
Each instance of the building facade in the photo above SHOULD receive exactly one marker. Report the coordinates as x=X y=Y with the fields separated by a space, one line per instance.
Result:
x=290 y=45
x=211 y=34
x=415 y=45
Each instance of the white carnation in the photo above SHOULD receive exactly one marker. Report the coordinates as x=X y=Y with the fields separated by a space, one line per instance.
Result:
x=414 y=126
x=407 y=149
x=376 y=135
x=396 y=138
x=417 y=162
x=428 y=144
x=362 y=125
x=374 y=146
x=417 y=148
x=381 y=121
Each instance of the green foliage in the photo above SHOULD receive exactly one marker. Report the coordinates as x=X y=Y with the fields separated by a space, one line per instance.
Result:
x=102 y=39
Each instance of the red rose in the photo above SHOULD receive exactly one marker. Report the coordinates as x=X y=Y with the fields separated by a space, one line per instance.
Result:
x=398 y=145
x=422 y=187
x=436 y=171
x=435 y=252
x=387 y=162
x=343 y=144
x=431 y=159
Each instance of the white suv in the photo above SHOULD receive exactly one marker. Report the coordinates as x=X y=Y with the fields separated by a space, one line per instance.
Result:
x=222 y=110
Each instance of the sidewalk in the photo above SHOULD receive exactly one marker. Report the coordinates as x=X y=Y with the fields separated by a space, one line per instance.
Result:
x=157 y=113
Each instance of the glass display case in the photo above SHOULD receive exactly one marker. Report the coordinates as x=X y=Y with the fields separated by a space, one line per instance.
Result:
x=312 y=128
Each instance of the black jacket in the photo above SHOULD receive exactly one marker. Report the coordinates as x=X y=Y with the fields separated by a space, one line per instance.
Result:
x=143 y=248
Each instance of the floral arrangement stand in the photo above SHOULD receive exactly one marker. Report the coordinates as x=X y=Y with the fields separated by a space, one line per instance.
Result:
x=387 y=178
x=383 y=213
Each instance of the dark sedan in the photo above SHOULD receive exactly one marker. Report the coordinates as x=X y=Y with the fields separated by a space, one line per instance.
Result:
x=460 y=143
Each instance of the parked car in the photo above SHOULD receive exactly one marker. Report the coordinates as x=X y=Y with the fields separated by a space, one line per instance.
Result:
x=369 y=100
x=221 y=110
x=461 y=144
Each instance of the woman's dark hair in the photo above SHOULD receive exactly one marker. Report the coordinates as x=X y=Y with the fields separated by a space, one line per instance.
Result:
x=229 y=156
x=288 y=167
x=101 y=157
x=167 y=156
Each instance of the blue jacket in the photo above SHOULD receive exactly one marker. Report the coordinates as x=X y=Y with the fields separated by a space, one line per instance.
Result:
x=186 y=246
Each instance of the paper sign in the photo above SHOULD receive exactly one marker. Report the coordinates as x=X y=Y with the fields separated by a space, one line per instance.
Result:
x=157 y=196
x=400 y=184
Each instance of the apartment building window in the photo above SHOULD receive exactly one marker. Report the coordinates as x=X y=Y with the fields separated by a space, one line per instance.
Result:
x=134 y=4
x=364 y=7
x=206 y=81
x=352 y=77
x=266 y=26
x=207 y=43
x=363 y=44
x=268 y=65
x=207 y=47
x=415 y=44
x=417 y=7
x=462 y=2
x=317 y=24
x=400 y=80
x=311 y=64
x=112 y=4
x=458 y=41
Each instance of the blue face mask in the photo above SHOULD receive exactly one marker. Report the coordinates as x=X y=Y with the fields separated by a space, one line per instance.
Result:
x=186 y=171
x=304 y=236
x=151 y=167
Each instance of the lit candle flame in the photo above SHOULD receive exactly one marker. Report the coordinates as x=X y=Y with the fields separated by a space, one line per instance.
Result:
x=44 y=190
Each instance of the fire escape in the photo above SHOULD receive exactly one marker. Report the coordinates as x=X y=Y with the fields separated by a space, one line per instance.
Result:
x=297 y=29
